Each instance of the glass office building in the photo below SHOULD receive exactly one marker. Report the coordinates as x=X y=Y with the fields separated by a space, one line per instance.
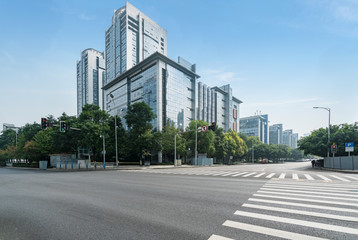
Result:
x=276 y=134
x=90 y=76
x=131 y=38
x=255 y=126
x=165 y=85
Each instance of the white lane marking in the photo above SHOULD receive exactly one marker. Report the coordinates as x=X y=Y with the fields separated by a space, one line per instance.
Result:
x=218 y=174
x=308 y=177
x=306 y=213
x=309 y=195
x=269 y=231
x=349 y=210
x=352 y=177
x=239 y=174
x=259 y=175
x=295 y=176
x=229 y=174
x=217 y=237
x=299 y=222
x=282 y=176
x=333 y=189
x=210 y=173
x=307 y=200
x=270 y=175
x=324 y=178
x=339 y=178
x=301 y=191
x=249 y=174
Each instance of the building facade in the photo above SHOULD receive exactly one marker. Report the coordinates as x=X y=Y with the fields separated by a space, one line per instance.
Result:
x=131 y=38
x=218 y=105
x=255 y=126
x=294 y=140
x=165 y=85
x=287 y=137
x=90 y=76
x=275 y=134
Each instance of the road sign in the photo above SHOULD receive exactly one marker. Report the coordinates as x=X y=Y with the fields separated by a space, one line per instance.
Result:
x=204 y=128
x=350 y=147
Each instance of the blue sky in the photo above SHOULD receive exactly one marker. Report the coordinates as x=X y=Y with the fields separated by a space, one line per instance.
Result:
x=280 y=57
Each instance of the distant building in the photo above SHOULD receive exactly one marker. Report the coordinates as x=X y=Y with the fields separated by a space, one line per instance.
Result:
x=90 y=76
x=218 y=105
x=290 y=139
x=275 y=133
x=131 y=38
x=255 y=126
x=286 y=137
x=294 y=140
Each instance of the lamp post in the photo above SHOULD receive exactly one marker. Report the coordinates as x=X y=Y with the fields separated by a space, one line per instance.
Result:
x=329 y=125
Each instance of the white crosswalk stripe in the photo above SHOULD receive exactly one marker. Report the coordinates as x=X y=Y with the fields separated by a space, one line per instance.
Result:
x=308 y=177
x=339 y=178
x=256 y=175
x=331 y=207
x=270 y=175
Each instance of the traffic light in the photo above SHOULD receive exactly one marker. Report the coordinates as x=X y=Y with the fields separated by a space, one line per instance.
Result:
x=334 y=148
x=213 y=126
x=68 y=126
x=63 y=126
x=43 y=123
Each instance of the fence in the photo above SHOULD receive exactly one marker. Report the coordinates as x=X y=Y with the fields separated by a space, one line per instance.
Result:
x=344 y=163
x=84 y=165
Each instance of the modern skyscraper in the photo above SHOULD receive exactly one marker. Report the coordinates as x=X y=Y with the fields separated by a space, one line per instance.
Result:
x=294 y=140
x=90 y=76
x=275 y=134
x=131 y=38
x=287 y=137
x=255 y=126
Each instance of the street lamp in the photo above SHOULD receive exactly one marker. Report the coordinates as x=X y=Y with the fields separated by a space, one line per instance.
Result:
x=329 y=125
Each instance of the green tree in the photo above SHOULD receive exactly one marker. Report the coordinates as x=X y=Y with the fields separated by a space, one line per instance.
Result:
x=7 y=139
x=93 y=123
x=140 y=138
x=205 y=139
x=221 y=145
x=167 y=141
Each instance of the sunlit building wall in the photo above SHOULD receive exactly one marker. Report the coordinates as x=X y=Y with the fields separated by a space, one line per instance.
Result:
x=131 y=38
x=90 y=76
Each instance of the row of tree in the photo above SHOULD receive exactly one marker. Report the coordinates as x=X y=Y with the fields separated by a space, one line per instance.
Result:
x=318 y=144
x=136 y=140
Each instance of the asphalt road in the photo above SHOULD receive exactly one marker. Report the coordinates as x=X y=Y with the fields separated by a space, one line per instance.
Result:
x=38 y=204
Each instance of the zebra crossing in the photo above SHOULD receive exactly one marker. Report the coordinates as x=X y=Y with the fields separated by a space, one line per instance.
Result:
x=295 y=210
x=246 y=174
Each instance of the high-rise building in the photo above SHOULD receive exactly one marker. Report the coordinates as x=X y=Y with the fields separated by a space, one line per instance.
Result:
x=287 y=137
x=255 y=126
x=218 y=105
x=131 y=38
x=294 y=140
x=90 y=76
x=275 y=134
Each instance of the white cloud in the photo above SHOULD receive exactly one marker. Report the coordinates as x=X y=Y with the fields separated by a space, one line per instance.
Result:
x=284 y=102
x=86 y=17
x=219 y=77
